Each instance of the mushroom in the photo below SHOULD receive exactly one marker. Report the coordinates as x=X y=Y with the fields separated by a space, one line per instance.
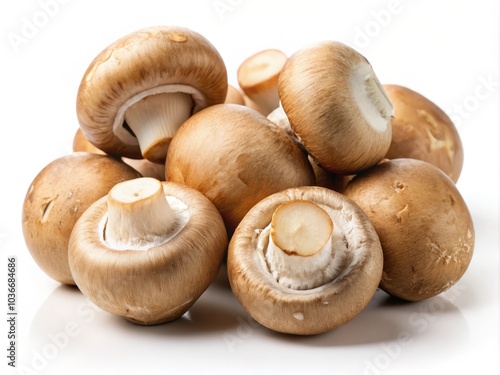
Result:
x=57 y=197
x=148 y=250
x=304 y=261
x=424 y=226
x=421 y=130
x=140 y=89
x=258 y=78
x=236 y=157
x=336 y=106
x=145 y=167
x=234 y=96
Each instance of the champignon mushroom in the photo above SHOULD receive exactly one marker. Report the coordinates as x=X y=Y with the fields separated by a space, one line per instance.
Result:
x=258 y=78
x=336 y=106
x=148 y=250
x=304 y=261
x=57 y=197
x=236 y=157
x=421 y=130
x=424 y=226
x=145 y=167
x=140 y=89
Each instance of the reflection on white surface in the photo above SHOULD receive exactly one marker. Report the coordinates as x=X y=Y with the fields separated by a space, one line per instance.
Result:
x=388 y=335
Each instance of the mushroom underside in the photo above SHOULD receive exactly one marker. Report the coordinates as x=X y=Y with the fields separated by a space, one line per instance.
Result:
x=329 y=304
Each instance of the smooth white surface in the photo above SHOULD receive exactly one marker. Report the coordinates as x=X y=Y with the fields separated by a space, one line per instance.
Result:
x=446 y=50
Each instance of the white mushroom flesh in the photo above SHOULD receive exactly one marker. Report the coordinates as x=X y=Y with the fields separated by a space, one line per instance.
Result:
x=140 y=216
x=257 y=70
x=157 y=117
x=137 y=110
x=299 y=272
x=371 y=97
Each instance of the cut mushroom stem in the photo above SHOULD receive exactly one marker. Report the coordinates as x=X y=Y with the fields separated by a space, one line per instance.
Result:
x=371 y=97
x=155 y=119
x=300 y=228
x=138 y=214
x=301 y=245
x=258 y=78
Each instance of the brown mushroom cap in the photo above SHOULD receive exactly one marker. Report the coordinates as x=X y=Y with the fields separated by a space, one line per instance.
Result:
x=57 y=197
x=236 y=157
x=421 y=130
x=424 y=226
x=336 y=106
x=310 y=311
x=153 y=285
x=145 y=63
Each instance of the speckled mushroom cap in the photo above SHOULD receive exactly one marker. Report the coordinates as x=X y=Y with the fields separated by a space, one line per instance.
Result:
x=421 y=130
x=423 y=222
x=149 y=61
x=309 y=311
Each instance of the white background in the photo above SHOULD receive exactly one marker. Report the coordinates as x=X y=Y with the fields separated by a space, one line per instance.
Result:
x=446 y=50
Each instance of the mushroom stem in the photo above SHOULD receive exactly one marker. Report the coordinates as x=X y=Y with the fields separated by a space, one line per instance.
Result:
x=303 y=251
x=371 y=97
x=258 y=78
x=138 y=214
x=301 y=228
x=155 y=119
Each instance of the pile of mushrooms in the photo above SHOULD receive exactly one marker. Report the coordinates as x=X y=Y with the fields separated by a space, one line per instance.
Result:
x=314 y=182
